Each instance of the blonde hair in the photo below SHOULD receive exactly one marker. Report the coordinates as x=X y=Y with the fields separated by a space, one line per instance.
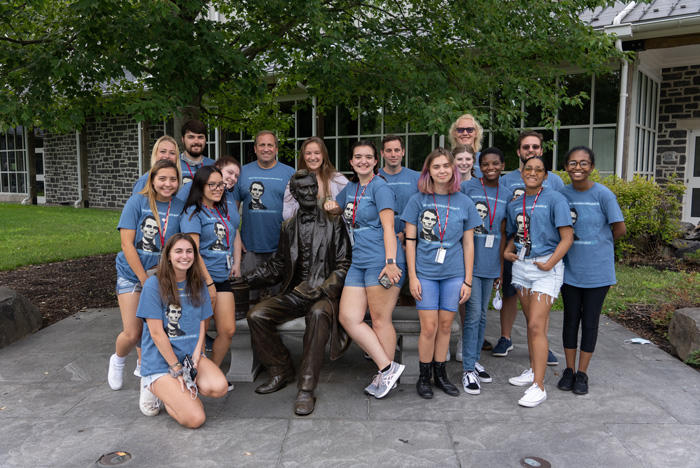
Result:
x=477 y=138
x=154 y=156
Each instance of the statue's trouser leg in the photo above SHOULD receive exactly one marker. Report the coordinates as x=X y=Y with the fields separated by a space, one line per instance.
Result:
x=318 y=330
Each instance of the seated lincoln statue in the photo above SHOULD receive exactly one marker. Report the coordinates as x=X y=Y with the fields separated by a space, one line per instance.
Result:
x=311 y=262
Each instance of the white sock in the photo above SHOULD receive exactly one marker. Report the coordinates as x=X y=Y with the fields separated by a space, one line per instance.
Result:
x=119 y=360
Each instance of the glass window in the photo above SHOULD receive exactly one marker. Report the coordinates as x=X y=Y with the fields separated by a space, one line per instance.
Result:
x=5 y=186
x=418 y=147
x=575 y=115
x=21 y=188
x=509 y=146
x=19 y=138
x=39 y=163
x=394 y=123
x=371 y=122
x=604 y=148
x=326 y=124
x=344 y=153
x=304 y=122
x=607 y=93
x=568 y=138
x=346 y=124
x=39 y=188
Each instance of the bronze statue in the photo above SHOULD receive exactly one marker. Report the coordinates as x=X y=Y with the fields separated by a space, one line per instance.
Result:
x=311 y=262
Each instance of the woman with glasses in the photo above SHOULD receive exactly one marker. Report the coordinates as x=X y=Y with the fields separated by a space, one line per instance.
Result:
x=590 y=264
x=373 y=279
x=540 y=241
x=213 y=225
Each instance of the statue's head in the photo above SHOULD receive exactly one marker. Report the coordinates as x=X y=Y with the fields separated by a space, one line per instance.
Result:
x=304 y=188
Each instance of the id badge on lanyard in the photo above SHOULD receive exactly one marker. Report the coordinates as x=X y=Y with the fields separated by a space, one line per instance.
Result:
x=490 y=239
x=440 y=256
x=524 y=250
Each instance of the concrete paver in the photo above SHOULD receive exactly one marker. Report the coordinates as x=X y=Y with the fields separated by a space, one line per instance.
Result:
x=57 y=410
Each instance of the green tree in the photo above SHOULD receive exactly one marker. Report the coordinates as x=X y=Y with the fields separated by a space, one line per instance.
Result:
x=64 y=61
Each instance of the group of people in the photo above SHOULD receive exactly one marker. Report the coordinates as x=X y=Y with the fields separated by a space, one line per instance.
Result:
x=455 y=231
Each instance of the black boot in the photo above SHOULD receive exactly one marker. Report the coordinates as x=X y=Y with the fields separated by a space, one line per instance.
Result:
x=423 y=385
x=441 y=380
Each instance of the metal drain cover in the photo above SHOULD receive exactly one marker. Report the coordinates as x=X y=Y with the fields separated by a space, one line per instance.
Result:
x=114 y=459
x=536 y=462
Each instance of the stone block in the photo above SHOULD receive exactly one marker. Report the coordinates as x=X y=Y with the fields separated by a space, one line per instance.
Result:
x=18 y=317
x=684 y=246
x=684 y=332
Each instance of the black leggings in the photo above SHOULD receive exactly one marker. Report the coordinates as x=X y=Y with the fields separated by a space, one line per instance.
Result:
x=582 y=305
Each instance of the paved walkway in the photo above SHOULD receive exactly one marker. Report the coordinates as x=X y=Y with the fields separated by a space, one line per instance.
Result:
x=56 y=409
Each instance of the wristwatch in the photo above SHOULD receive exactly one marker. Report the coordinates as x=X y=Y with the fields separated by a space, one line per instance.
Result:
x=390 y=261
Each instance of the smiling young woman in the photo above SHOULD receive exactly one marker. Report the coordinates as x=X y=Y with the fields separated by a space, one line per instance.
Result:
x=589 y=264
x=148 y=219
x=540 y=241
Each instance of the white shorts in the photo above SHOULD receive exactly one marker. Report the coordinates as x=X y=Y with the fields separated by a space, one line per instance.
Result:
x=527 y=276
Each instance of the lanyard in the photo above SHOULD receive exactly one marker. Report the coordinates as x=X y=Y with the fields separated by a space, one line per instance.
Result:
x=165 y=226
x=354 y=203
x=495 y=204
x=442 y=231
x=189 y=169
x=222 y=222
x=525 y=223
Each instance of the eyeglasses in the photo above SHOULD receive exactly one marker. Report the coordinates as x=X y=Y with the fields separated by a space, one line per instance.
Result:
x=583 y=164
x=536 y=170
x=212 y=186
x=527 y=147
x=468 y=130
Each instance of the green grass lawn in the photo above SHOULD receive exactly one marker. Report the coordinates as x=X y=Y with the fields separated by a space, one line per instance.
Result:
x=42 y=234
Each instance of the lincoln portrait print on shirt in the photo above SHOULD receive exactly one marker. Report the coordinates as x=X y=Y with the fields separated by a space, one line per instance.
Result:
x=428 y=220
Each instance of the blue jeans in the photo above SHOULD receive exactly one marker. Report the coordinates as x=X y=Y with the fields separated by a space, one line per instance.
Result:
x=474 y=325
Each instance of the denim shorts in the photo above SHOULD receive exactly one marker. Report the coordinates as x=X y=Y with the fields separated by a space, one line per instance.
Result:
x=125 y=286
x=147 y=381
x=366 y=277
x=527 y=275
x=440 y=294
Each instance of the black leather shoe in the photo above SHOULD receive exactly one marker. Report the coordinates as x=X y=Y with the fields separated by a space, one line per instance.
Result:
x=441 y=380
x=304 y=403
x=275 y=383
x=423 y=384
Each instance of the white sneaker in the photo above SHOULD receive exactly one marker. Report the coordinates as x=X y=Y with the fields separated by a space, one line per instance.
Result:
x=523 y=380
x=533 y=396
x=458 y=354
x=149 y=404
x=115 y=374
x=137 y=371
x=470 y=382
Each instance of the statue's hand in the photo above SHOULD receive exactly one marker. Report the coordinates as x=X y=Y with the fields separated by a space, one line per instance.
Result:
x=238 y=280
x=307 y=292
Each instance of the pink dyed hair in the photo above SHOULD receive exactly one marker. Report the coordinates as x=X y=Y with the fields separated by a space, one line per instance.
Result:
x=425 y=182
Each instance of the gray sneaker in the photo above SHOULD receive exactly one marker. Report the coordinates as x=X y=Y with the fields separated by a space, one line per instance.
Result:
x=388 y=379
x=371 y=389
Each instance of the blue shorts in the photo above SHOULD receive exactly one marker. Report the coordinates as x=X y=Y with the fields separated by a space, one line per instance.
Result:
x=440 y=295
x=125 y=286
x=147 y=381
x=526 y=275
x=366 y=277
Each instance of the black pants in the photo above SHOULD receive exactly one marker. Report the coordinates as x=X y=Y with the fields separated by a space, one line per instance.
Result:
x=263 y=320
x=582 y=306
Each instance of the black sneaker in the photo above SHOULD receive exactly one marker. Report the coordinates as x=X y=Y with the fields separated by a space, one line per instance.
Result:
x=580 y=386
x=567 y=380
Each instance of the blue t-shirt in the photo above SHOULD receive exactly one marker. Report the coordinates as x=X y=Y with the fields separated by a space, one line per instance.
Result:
x=590 y=262
x=261 y=194
x=368 y=235
x=551 y=212
x=189 y=170
x=137 y=216
x=217 y=231
x=514 y=182
x=140 y=183
x=182 y=328
x=405 y=185
x=489 y=201
x=420 y=211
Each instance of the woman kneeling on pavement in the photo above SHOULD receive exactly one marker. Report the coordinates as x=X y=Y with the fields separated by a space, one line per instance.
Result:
x=541 y=222
x=175 y=305
x=440 y=259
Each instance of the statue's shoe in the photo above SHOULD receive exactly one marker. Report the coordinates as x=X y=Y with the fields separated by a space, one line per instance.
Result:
x=304 y=403
x=275 y=383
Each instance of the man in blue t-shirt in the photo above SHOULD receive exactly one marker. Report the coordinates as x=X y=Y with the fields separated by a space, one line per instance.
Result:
x=530 y=143
x=194 y=138
x=260 y=194
x=402 y=180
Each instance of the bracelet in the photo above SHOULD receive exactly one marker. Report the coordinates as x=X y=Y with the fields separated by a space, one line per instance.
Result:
x=410 y=238
x=175 y=365
x=173 y=373
x=210 y=284
x=467 y=284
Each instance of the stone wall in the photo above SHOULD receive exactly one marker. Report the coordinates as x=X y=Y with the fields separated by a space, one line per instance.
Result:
x=679 y=100
x=60 y=168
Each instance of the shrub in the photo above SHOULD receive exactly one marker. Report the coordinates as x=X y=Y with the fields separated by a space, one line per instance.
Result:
x=652 y=212
x=694 y=359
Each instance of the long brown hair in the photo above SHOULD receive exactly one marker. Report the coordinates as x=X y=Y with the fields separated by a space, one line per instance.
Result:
x=167 y=284
x=150 y=192
x=327 y=171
